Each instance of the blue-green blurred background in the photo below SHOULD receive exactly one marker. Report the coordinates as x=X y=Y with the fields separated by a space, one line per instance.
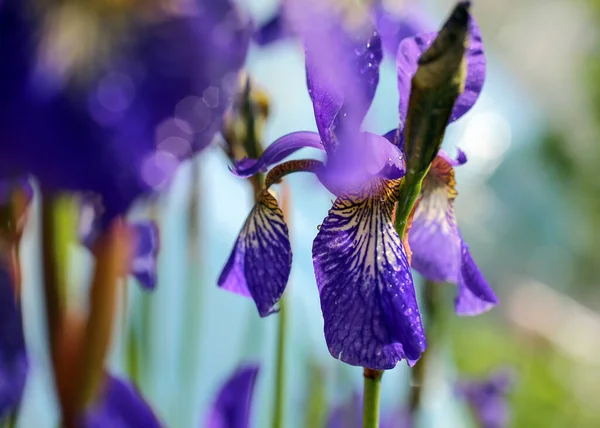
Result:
x=529 y=206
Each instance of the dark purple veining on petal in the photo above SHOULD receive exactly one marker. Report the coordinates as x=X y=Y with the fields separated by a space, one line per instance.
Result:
x=410 y=51
x=367 y=294
x=260 y=262
x=120 y=405
x=488 y=398
x=14 y=363
x=233 y=404
x=278 y=151
x=145 y=253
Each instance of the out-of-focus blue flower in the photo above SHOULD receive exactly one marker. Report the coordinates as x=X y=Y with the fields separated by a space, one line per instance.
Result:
x=13 y=357
x=233 y=404
x=487 y=398
x=111 y=101
x=119 y=405
x=145 y=249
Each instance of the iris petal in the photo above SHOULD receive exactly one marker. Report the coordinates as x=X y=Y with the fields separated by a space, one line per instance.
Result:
x=143 y=265
x=260 y=262
x=278 y=151
x=232 y=406
x=475 y=295
x=342 y=67
x=410 y=51
x=13 y=358
x=367 y=294
x=439 y=252
x=433 y=236
x=120 y=405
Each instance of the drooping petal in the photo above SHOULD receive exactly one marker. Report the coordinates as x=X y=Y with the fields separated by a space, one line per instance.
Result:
x=119 y=405
x=488 y=397
x=343 y=53
x=233 y=404
x=143 y=264
x=366 y=288
x=260 y=262
x=278 y=151
x=13 y=357
x=410 y=51
x=439 y=252
x=396 y=137
x=475 y=295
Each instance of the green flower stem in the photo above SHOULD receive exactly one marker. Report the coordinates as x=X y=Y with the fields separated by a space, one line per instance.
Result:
x=372 y=392
x=279 y=399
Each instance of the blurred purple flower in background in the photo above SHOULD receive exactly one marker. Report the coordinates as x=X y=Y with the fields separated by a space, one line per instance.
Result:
x=487 y=398
x=233 y=403
x=145 y=248
x=118 y=116
x=13 y=357
x=349 y=415
x=119 y=405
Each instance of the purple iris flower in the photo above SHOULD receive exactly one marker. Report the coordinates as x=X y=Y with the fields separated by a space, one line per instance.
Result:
x=439 y=252
x=145 y=248
x=119 y=405
x=487 y=398
x=111 y=103
x=14 y=364
x=361 y=267
x=233 y=404
x=367 y=295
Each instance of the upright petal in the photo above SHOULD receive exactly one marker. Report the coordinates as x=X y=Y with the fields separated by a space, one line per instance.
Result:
x=120 y=405
x=13 y=357
x=439 y=252
x=396 y=25
x=143 y=264
x=233 y=404
x=260 y=262
x=343 y=53
x=410 y=51
x=367 y=294
x=278 y=151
